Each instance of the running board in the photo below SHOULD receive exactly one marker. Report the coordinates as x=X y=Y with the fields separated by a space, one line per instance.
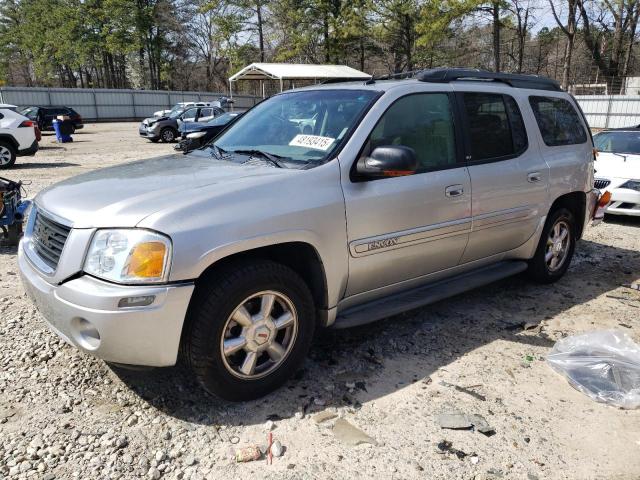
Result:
x=421 y=296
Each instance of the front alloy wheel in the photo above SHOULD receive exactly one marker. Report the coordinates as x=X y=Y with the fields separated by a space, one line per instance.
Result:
x=249 y=327
x=259 y=335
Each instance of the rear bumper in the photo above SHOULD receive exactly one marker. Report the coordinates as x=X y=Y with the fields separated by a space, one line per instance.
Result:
x=30 y=151
x=85 y=312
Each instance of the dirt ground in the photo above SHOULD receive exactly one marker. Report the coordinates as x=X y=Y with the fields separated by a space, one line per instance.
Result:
x=66 y=415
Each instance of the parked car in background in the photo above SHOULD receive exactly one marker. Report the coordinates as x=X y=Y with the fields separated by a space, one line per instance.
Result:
x=167 y=128
x=617 y=169
x=44 y=116
x=17 y=137
x=196 y=134
x=181 y=107
x=404 y=193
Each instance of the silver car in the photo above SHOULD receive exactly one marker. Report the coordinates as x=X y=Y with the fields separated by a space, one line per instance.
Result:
x=398 y=194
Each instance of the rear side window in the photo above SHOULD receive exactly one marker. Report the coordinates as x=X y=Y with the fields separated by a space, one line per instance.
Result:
x=558 y=121
x=496 y=129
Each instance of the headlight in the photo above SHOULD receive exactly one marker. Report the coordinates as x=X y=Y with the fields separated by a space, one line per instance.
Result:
x=196 y=135
x=129 y=256
x=632 y=185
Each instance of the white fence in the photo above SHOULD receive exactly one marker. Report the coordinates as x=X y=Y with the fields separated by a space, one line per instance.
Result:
x=610 y=111
x=107 y=104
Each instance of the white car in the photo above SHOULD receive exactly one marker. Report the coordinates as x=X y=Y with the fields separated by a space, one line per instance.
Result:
x=617 y=169
x=17 y=137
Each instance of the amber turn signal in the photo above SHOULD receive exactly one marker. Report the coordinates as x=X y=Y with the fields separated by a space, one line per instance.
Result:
x=604 y=200
x=146 y=260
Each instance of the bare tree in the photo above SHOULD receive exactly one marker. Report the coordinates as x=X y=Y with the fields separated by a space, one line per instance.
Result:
x=569 y=30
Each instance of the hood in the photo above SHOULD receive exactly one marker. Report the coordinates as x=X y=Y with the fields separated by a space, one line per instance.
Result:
x=124 y=195
x=609 y=165
x=190 y=127
x=152 y=120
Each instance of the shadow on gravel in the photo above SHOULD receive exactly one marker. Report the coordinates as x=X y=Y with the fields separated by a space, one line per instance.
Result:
x=28 y=165
x=383 y=357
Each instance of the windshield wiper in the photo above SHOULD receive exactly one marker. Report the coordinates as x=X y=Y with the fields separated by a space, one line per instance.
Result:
x=217 y=151
x=272 y=158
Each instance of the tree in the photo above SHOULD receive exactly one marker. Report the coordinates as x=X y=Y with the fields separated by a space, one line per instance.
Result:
x=569 y=30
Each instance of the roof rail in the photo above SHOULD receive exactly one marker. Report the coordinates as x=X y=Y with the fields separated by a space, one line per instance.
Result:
x=445 y=75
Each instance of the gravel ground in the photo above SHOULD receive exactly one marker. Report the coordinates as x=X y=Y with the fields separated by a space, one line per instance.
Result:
x=66 y=415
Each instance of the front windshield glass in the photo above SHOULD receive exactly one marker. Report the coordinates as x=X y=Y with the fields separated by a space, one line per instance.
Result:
x=302 y=126
x=29 y=112
x=618 y=142
x=175 y=112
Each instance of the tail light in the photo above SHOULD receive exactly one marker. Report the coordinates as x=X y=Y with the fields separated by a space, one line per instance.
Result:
x=26 y=123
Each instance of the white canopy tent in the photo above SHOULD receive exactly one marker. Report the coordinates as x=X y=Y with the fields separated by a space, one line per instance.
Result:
x=291 y=71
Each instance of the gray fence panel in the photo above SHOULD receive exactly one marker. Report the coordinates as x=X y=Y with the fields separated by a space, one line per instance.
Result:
x=111 y=104
x=610 y=111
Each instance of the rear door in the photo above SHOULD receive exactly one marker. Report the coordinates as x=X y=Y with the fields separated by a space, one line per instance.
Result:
x=509 y=176
x=403 y=228
x=206 y=114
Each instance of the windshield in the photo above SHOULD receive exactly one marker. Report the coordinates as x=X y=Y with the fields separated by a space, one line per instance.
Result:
x=302 y=126
x=30 y=112
x=618 y=142
x=176 y=112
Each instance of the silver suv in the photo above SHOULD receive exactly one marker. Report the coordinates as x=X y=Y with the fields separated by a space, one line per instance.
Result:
x=330 y=206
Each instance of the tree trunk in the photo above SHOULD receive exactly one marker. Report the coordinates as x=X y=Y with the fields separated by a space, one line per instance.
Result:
x=566 y=66
x=495 y=10
x=260 y=29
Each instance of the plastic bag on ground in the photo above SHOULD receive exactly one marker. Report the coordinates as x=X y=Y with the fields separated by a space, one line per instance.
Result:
x=604 y=364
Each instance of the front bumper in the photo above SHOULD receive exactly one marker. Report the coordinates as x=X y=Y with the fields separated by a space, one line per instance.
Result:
x=624 y=201
x=146 y=132
x=85 y=313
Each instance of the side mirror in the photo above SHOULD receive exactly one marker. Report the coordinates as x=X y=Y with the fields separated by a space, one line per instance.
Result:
x=389 y=161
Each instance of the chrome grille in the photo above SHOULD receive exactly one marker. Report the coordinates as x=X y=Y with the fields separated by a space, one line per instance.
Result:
x=601 y=183
x=48 y=239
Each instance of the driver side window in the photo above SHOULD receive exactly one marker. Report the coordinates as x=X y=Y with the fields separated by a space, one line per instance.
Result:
x=423 y=122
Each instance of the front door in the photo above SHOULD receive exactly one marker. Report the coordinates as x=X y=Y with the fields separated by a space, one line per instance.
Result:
x=509 y=176
x=401 y=228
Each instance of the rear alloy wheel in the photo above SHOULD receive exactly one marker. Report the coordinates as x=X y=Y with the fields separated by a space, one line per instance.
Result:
x=7 y=155
x=555 y=249
x=167 y=135
x=249 y=328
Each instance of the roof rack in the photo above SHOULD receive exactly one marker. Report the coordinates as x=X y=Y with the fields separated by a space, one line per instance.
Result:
x=445 y=75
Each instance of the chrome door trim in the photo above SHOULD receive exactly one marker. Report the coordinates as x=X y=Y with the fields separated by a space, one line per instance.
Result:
x=504 y=217
x=392 y=241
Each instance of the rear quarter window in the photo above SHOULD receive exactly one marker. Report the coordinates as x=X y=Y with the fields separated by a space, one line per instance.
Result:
x=558 y=121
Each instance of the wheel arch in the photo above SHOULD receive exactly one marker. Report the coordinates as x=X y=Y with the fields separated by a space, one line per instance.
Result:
x=576 y=203
x=301 y=257
x=9 y=139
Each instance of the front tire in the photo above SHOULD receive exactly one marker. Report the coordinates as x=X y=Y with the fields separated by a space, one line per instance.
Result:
x=7 y=155
x=168 y=135
x=249 y=329
x=555 y=248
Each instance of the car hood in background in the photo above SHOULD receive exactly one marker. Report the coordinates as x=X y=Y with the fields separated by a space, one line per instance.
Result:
x=609 y=165
x=124 y=195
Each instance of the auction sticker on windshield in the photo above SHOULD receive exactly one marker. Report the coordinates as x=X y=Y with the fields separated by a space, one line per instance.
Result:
x=312 y=141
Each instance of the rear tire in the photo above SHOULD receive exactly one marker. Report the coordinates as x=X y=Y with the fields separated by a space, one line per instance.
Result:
x=7 y=155
x=249 y=328
x=555 y=248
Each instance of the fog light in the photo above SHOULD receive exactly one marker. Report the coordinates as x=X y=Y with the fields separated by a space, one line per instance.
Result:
x=141 y=301
x=85 y=333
